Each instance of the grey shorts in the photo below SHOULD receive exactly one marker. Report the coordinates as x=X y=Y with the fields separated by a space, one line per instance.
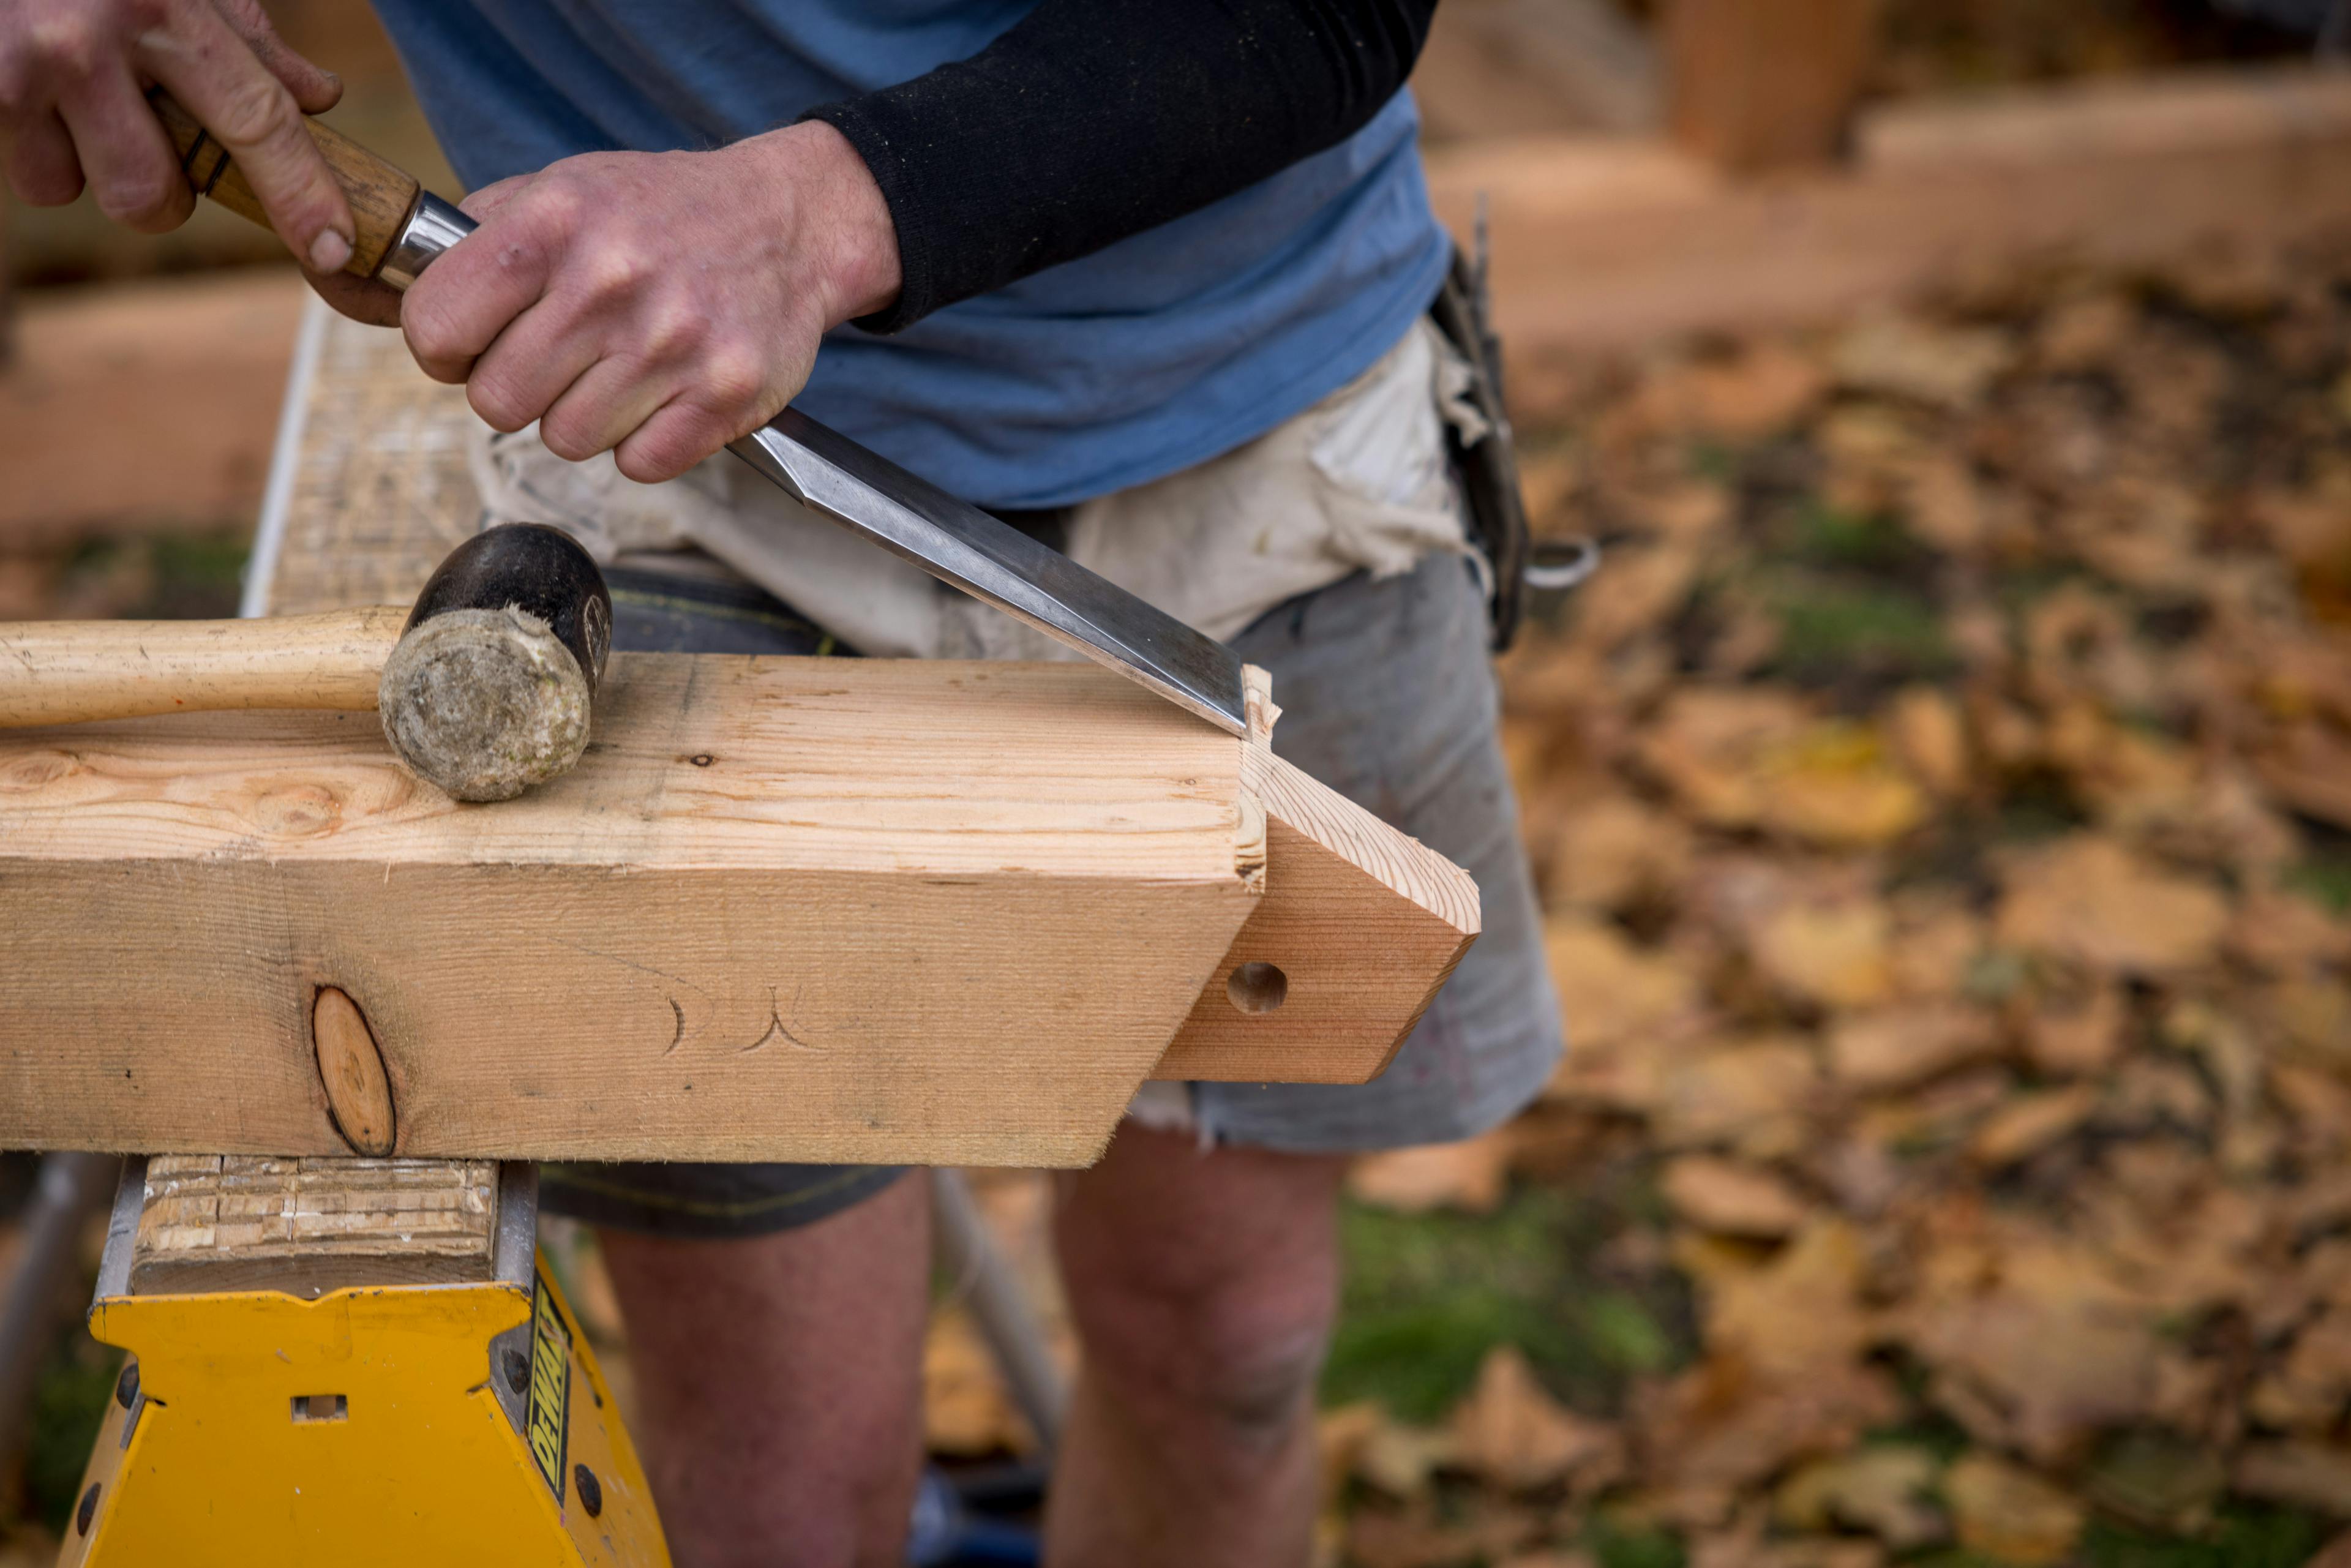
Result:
x=1388 y=696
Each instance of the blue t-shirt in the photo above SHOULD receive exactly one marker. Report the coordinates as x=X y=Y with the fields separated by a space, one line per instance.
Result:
x=1144 y=358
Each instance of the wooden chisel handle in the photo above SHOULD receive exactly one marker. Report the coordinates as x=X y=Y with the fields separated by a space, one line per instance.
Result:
x=383 y=198
x=69 y=672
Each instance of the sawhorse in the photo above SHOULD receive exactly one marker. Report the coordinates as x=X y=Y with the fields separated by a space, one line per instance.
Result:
x=358 y=1360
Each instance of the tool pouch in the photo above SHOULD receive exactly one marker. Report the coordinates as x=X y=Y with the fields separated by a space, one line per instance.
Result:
x=1485 y=461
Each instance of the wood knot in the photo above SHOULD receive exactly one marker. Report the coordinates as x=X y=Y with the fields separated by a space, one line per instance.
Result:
x=350 y=1066
x=298 y=811
x=36 y=771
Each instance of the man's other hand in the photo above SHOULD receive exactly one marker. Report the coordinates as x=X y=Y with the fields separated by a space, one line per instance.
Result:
x=73 y=112
x=656 y=306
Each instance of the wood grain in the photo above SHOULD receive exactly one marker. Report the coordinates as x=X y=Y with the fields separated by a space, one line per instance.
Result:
x=381 y=195
x=785 y=909
x=70 y=672
x=210 y=1222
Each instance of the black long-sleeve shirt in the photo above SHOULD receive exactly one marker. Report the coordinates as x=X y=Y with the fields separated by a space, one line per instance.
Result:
x=1090 y=120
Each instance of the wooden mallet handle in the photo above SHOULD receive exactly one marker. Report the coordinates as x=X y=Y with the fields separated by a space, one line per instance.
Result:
x=381 y=194
x=70 y=672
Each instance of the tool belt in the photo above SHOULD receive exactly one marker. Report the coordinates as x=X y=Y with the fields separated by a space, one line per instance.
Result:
x=1487 y=466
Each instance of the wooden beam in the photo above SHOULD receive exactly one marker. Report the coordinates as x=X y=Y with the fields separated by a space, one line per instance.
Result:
x=809 y=909
x=1607 y=244
x=1509 y=67
x=1765 y=84
x=138 y=407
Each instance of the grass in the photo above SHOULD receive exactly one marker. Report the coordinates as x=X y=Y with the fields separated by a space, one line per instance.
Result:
x=1426 y=1296
x=166 y=578
x=2242 y=1537
x=1832 y=629
x=2324 y=874
x=69 y=1397
x=1852 y=594
x=1823 y=534
x=1629 y=1546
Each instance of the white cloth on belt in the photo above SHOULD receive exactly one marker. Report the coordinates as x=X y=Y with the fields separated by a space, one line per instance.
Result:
x=1358 y=482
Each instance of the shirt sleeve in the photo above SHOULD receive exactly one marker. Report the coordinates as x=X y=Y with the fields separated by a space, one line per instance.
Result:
x=1090 y=120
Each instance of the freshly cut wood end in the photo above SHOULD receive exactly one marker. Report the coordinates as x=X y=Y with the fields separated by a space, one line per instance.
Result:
x=1249 y=837
x=213 y=1222
x=1257 y=705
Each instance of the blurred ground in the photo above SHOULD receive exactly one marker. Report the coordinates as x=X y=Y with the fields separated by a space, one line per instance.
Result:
x=1942 y=806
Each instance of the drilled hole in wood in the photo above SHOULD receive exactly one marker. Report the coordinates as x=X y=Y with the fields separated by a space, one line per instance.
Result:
x=321 y=1407
x=1257 y=987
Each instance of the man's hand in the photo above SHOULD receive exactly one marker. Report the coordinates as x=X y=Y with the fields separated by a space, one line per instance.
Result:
x=73 y=75
x=655 y=305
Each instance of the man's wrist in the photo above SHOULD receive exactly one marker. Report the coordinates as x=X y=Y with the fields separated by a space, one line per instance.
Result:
x=853 y=243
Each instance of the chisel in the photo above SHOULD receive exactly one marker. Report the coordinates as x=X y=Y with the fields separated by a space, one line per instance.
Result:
x=400 y=227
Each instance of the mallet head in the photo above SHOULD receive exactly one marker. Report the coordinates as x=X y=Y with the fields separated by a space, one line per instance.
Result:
x=491 y=687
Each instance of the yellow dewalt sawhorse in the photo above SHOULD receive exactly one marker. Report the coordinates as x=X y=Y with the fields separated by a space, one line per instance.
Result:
x=359 y=1362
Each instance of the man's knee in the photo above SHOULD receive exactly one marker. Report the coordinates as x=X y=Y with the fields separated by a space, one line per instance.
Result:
x=1243 y=1352
x=1203 y=1285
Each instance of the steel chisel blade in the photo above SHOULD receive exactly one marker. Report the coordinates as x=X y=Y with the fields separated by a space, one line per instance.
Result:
x=993 y=561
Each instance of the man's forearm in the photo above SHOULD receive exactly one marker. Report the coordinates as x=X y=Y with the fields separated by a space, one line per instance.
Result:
x=1090 y=120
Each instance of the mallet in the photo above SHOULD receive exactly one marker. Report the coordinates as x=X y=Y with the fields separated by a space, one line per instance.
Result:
x=485 y=685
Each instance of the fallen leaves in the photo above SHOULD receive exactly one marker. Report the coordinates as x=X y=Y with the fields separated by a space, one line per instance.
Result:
x=2094 y=902
x=1730 y=1198
x=1514 y=1434
x=1905 y=357
x=2010 y=1514
x=1832 y=955
x=1798 y=1314
x=2041 y=1354
x=1884 y=1488
x=2030 y=1124
x=1615 y=852
x=2316 y=1476
x=1936 y=852
x=1900 y=1048
x=1756 y=759
x=1468 y=1175
x=1939 y=829
x=1624 y=995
